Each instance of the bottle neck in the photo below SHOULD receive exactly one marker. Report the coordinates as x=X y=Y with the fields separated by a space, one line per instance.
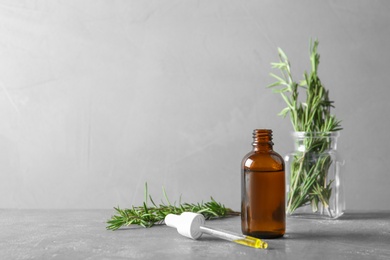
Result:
x=262 y=140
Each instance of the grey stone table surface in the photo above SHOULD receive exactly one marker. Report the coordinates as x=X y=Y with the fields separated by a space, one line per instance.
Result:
x=81 y=234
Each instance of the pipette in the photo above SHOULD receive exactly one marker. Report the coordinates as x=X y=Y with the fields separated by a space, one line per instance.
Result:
x=191 y=225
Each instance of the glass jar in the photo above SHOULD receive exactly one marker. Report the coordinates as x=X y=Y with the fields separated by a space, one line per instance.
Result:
x=314 y=183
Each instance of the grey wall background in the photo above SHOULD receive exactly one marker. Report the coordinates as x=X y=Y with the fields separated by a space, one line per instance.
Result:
x=99 y=97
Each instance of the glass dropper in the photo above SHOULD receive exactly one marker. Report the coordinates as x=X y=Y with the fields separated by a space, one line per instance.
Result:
x=191 y=225
x=236 y=238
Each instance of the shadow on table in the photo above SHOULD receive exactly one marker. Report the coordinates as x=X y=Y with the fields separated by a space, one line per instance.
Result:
x=322 y=236
x=273 y=244
x=353 y=238
x=381 y=215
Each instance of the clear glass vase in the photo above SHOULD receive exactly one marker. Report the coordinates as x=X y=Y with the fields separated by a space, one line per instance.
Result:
x=315 y=187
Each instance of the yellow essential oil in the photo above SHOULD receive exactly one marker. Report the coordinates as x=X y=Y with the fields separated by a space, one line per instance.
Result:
x=252 y=242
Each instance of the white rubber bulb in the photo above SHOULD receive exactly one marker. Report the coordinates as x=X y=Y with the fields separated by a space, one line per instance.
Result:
x=187 y=224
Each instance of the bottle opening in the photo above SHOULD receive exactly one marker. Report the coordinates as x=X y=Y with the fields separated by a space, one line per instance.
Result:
x=262 y=136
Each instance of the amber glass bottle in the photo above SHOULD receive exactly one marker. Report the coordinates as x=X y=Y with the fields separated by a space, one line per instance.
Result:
x=263 y=189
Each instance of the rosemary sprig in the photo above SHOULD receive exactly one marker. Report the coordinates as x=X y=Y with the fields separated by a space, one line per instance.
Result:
x=309 y=181
x=148 y=216
x=314 y=114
